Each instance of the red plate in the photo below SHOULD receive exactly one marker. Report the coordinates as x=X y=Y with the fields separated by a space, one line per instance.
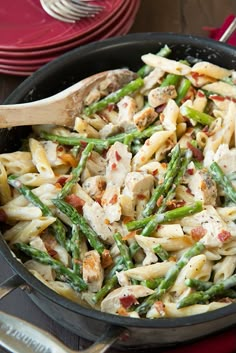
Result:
x=121 y=28
x=24 y=25
x=50 y=53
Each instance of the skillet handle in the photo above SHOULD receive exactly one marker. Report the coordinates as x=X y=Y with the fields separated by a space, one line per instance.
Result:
x=19 y=336
x=11 y=284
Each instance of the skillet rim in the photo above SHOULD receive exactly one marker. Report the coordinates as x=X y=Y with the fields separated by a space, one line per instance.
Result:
x=18 y=95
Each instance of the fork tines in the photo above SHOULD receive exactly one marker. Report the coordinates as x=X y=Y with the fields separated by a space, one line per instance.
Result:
x=70 y=10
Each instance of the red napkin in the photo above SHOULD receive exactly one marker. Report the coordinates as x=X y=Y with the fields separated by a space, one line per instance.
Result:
x=216 y=33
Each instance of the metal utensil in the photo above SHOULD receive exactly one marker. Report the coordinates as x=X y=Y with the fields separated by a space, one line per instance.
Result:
x=63 y=107
x=229 y=31
x=70 y=10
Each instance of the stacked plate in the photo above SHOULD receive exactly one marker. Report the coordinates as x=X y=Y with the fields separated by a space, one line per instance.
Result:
x=29 y=37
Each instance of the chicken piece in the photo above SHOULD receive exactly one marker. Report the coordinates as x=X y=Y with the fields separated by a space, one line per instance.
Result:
x=109 y=130
x=96 y=217
x=144 y=118
x=202 y=186
x=124 y=297
x=152 y=79
x=127 y=108
x=118 y=164
x=161 y=95
x=110 y=203
x=226 y=158
x=93 y=273
x=138 y=185
x=95 y=186
x=151 y=257
x=95 y=165
x=214 y=231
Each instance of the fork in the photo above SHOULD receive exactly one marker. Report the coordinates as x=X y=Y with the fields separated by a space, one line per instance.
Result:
x=70 y=10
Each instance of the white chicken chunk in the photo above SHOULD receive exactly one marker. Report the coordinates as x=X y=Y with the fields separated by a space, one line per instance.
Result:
x=202 y=186
x=138 y=185
x=144 y=118
x=152 y=79
x=161 y=95
x=123 y=296
x=127 y=108
x=93 y=273
x=95 y=186
x=226 y=158
x=214 y=230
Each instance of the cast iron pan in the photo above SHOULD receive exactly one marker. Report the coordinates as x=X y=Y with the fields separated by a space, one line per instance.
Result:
x=59 y=74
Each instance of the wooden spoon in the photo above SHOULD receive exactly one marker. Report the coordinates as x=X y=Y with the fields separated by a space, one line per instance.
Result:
x=63 y=107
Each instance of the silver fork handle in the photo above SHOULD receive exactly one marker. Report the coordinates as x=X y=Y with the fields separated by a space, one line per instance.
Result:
x=230 y=30
x=18 y=336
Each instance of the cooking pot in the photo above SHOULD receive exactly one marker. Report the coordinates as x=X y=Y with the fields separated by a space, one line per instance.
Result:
x=69 y=68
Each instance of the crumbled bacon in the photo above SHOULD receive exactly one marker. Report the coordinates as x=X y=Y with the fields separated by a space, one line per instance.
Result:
x=114 y=199
x=117 y=155
x=173 y=204
x=52 y=252
x=62 y=180
x=106 y=259
x=69 y=159
x=122 y=311
x=198 y=233
x=190 y=171
x=224 y=235
x=3 y=216
x=160 y=307
x=128 y=301
x=141 y=197
x=75 y=201
x=113 y=166
x=154 y=172
x=200 y=94
x=130 y=235
x=217 y=98
x=197 y=154
x=127 y=219
x=83 y=144
x=159 y=201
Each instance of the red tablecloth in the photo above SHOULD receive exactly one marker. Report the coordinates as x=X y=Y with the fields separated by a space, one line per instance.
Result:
x=216 y=33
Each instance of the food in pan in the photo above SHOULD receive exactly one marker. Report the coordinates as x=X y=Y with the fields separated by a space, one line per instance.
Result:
x=133 y=211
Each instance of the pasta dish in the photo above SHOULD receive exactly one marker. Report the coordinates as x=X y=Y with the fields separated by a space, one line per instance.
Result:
x=133 y=210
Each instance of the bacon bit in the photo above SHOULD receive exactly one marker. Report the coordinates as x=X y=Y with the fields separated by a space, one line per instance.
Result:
x=198 y=233
x=173 y=204
x=113 y=166
x=164 y=165
x=52 y=252
x=106 y=259
x=130 y=235
x=122 y=311
x=160 y=108
x=111 y=107
x=69 y=159
x=203 y=186
x=197 y=154
x=60 y=148
x=188 y=190
x=128 y=301
x=141 y=197
x=118 y=157
x=217 y=98
x=224 y=235
x=61 y=181
x=3 y=216
x=159 y=201
x=99 y=200
x=154 y=172
x=75 y=201
x=83 y=144
x=190 y=171
x=160 y=307
x=58 y=186
x=114 y=199
x=127 y=219
x=147 y=142
x=106 y=221
x=200 y=94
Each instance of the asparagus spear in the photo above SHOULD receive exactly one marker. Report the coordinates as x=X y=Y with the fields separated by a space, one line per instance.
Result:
x=217 y=289
x=182 y=90
x=170 y=80
x=75 y=141
x=167 y=216
x=200 y=117
x=161 y=252
x=80 y=221
x=151 y=226
x=221 y=179
x=146 y=69
x=124 y=250
x=152 y=283
x=108 y=286
x=75 y=248
x=170 y=277
x=161 y=189
x=76 y=172
x=114 y=97
x=197 y=284
x=58 y=227
x=73 y=279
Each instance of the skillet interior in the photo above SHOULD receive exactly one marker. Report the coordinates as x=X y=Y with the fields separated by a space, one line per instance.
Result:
x=78 y=64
